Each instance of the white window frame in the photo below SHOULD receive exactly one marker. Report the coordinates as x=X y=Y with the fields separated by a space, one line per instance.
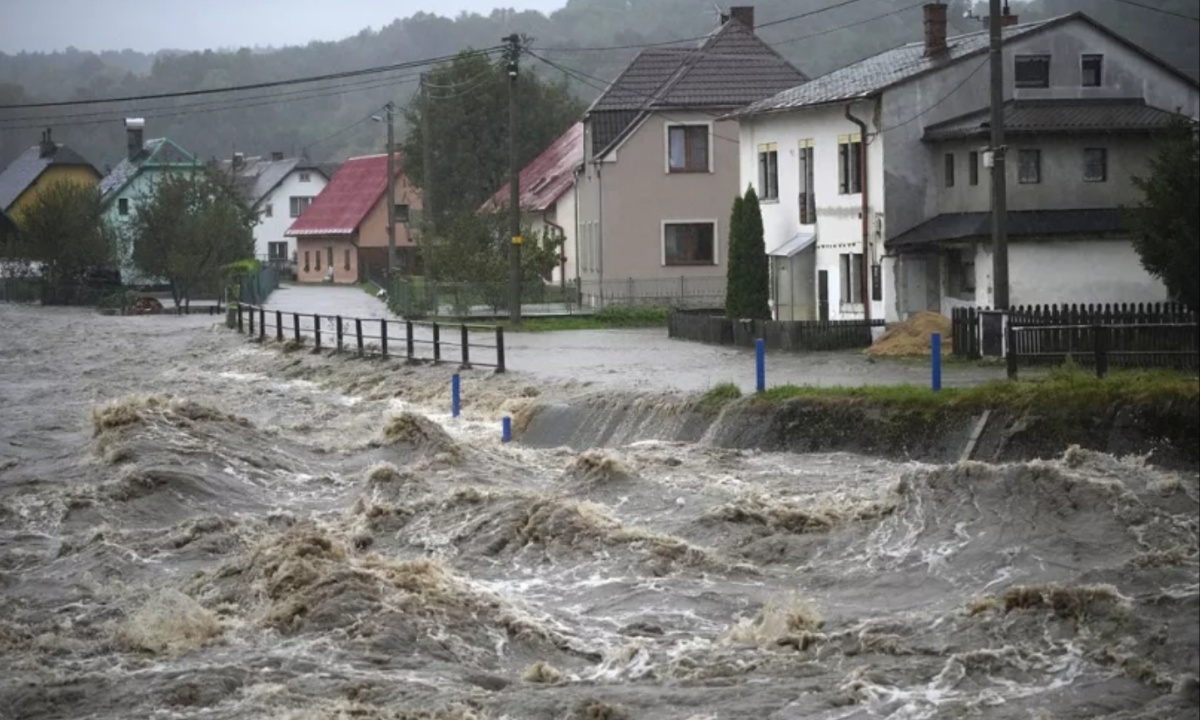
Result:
x=850 y=140
x=305 y=176
x=662 y=239
x=667 y=125
x=763 y=196
x=1083 y=57
x=854 y=303
x=308 y=201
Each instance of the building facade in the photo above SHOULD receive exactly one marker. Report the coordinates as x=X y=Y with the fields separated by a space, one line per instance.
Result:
x=38 y=168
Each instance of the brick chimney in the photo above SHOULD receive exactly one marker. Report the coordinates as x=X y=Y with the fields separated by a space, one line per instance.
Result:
x=239 y=159
x=743 y=14
x=47 y=148
x=135 y=129
x=935 y=29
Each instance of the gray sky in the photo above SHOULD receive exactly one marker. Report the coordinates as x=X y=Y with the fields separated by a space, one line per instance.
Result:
x=148 y=25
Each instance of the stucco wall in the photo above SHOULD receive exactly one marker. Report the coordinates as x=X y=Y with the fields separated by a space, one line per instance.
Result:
x=51 y=175
x=372 y=232
x=322 y=246
x=639 y=195
x=272 y=229
x=1076 y=271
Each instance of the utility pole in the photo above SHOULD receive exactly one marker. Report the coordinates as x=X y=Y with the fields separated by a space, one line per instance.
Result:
x=514 y=184
x=391 y=188
x=427 y=156
x=998 y=150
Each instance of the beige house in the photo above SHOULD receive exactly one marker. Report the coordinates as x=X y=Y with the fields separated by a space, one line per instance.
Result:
x=661 y=171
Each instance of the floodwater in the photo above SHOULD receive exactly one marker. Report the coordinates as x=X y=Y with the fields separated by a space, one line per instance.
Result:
x=193 y=526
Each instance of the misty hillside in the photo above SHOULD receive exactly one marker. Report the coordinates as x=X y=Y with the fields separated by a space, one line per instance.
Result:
x=330 y=120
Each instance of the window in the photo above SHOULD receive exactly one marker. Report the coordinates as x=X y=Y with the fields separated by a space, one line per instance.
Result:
x=689 y=243
x=277 y=250
x=268 y=210
x=851 y=273
x=306 y=265
x=347 y=263
x=330 y=251
x=949 y=171
x=687 y=148
x=1029 y=166
x=298 y=204
x=317 y=266
x=123 y=206
x=401 y=212
x=768 y=172
x=1092 y=66
x=849 y=164
x=1095 y=164
x=305 y=177
x=1032 y=71
x=973 y=168
x=808 y=202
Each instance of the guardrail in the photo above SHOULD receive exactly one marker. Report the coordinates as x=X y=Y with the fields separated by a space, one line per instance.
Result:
x=417 y=341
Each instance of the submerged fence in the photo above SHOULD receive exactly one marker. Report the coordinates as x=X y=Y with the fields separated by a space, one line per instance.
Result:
x=468 y=345
x=255 y=289
x=714 y=328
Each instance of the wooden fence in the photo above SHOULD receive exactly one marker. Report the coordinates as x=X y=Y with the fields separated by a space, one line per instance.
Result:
x=1127 y=335
x=788 y=336
x=416 y=341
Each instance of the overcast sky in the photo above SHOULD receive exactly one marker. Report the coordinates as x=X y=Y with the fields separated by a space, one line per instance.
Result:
x=148 y=25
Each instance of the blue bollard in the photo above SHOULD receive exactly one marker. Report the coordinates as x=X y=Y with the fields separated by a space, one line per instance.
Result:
x=455 y=396
x=935 y=346
x=506 y=429
x=760 y=359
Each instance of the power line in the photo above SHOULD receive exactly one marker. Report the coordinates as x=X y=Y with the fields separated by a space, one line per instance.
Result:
x=335 y=133
x=856 y=23
x=940 y=100
x=1172 y=13
x=253 y=86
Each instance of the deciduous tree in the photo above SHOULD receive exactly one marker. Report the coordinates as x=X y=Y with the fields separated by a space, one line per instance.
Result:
x=64 y=230
x=1167 y=222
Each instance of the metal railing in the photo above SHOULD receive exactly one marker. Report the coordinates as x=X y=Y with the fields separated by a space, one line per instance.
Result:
x=469 y=345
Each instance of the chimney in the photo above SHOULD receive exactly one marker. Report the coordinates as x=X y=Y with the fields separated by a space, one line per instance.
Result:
x=239 y=159
x=743 y=14
x=47 y=147
x=1007 y=19
x=277 y=155
x=134 y=130
x=935 y=29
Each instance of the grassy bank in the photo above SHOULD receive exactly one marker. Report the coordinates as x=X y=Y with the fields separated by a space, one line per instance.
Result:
x=607 y=319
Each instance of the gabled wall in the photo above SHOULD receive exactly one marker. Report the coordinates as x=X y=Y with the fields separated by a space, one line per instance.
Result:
x=272 y=229
x=80 y=174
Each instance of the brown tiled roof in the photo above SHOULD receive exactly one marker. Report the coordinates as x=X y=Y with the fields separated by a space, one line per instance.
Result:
x=949 y=227
x=1108 y=115
x=730 y=68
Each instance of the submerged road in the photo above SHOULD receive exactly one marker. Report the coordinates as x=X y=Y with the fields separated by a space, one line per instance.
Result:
x=646 y=359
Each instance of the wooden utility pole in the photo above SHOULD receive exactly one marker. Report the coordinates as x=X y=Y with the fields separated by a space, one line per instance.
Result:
x=391 y=189
x=998 y=151
x=427 y=156
x=514 y=184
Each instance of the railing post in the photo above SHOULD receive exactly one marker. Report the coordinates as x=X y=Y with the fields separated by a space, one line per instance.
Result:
x=935 y=347
x=383 y=336
x=760 y=365
x=316 y=331
x=251 y=322
x=296 y=326
x=437 y=343
x=339 y=333
x=262 y=324
x=499 y=349
x=410 y=344
x=1100 y=345
x=466 y=347
x=358 y=334
x=279 y=325
x=241 y=324
x=1010 y=351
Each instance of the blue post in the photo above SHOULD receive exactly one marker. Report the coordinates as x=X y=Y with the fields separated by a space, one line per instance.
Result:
x=506 y=429
x=760 y=357
x=455 y=397
x=935 y=346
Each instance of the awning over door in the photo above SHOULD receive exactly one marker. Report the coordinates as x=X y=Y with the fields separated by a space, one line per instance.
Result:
x=796 y=243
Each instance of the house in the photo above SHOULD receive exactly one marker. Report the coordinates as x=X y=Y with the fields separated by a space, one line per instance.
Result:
x=8 y=228
x=342 y=235
x=661 y=167
x=38 y=168
x=279 y=190
x=548 y=198
x=901 y=223
x=133 y=179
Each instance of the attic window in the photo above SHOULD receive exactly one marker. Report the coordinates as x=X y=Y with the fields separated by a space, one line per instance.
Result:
x=1032 y=71
x=304 y=176
x=1091 y=66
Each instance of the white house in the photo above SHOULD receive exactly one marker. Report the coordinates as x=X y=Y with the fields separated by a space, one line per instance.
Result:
x=901 y=223
x=279 y=189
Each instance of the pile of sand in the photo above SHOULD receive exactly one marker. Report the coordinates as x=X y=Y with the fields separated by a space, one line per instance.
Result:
x=912 y=337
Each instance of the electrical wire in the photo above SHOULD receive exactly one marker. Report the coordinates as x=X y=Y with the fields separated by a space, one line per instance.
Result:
x=1172 y=13
x=335 y=133
x=940 y=100
x=254 y=86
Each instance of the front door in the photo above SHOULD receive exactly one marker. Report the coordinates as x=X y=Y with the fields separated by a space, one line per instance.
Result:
x=823 y=295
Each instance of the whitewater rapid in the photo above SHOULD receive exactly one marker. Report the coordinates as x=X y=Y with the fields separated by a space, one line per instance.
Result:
x=193 y=526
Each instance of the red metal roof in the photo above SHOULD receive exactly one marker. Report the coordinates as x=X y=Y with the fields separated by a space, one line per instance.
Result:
x=548 y=177
x=346 y=200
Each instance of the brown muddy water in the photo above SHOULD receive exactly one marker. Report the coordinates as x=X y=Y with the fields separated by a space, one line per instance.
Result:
x=192 y=526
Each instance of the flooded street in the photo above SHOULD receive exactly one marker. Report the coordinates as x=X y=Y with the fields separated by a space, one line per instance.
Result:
x=193 y=526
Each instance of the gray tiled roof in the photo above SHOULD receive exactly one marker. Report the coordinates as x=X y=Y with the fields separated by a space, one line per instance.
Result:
x=1058 y=116
x=730 y=68
x=28 y=167
x=949 y=227
x=259 y=175
x=876 y=73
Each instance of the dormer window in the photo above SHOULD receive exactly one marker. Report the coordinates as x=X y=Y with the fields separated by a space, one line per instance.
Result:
x=1032 y=71
x=1092 y=67
x=304 y=176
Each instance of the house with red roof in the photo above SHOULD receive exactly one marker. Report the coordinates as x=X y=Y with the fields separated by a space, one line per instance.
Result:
x=342 y=236
x=548 y=198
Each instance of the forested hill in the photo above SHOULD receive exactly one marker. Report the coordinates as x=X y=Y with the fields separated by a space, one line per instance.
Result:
x=330 y=120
